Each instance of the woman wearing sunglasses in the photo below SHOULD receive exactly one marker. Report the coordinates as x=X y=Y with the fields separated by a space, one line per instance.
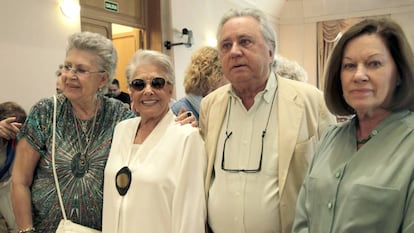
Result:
x=156 y=167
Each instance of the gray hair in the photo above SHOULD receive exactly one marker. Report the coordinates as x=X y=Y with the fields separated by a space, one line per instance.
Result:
x=265 y=27
x=290 y=69
x=142 y=57
x=99 y=45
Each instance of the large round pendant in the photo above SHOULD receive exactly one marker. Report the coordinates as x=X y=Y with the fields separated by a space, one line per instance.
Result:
x=123 y=180
x=80 y=165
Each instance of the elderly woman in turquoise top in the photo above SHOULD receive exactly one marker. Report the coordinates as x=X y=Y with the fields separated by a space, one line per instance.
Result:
x=85 y=124
x=361 y=177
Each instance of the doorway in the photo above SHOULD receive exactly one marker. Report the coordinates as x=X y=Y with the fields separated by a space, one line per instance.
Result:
x=126 y=26
x=126 y=40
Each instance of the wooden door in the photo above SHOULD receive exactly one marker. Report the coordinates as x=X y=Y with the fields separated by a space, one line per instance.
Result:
x=126 y=44
x=92 y=25
x=131 y=12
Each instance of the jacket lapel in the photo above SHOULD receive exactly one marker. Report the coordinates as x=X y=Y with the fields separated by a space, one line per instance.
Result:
x=289 y=117
x=215 y=121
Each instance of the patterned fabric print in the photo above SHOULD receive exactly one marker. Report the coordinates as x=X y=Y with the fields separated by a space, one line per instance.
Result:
x=82 y=196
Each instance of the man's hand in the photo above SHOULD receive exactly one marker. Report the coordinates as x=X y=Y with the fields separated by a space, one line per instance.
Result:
x=186 y=117
x=9 y=128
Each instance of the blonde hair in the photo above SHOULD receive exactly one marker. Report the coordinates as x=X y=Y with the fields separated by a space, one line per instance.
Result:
x=204 y=73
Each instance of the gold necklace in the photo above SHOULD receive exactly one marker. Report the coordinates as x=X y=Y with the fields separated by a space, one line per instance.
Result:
x=84 y=126
x=80 y=162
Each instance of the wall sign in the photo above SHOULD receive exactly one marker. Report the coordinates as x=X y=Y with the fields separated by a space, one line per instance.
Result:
x=111 y=6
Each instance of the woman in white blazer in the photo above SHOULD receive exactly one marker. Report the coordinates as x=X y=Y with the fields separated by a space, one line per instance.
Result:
x=155 y=172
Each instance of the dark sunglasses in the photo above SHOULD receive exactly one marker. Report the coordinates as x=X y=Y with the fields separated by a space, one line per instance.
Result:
x=123 y=180
x=156 y=83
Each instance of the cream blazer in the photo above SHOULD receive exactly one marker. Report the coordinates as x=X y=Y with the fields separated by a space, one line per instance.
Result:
x=302 y=118
x=167 y=180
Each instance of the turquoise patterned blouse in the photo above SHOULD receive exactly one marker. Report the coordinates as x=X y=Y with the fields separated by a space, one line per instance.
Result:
x=80 y=172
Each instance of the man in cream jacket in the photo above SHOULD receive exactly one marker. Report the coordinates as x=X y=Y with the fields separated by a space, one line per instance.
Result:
x=260 y=132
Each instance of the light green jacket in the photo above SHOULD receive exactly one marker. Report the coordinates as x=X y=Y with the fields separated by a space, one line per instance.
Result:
x=369 y=190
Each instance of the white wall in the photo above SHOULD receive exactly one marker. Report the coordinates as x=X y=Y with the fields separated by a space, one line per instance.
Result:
x=34 y=35
x=405 y=19
x=298 y=21
x=32 y=44
x=295 y=25
x=202 y=17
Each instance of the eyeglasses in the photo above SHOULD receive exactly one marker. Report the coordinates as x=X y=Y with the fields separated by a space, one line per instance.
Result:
x=156 y=83
x=123 y=180
x=78 y=71
x=258 y=169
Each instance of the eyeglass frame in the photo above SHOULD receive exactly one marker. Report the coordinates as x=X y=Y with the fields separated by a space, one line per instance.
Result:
x=242 y=170
x=78 y=71
x=229 y=134
x=152 y=85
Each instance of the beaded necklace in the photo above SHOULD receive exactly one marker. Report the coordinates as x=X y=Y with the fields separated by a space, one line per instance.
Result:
x=80 y=162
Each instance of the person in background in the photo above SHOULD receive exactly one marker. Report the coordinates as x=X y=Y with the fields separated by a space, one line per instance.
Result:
x=12 y=116
x=115 y=92
x=154 y=178
x=361 y=177
x=289 y=69
x=203 y=75
x=260 y=131
x=85 y=123
x=59 y=84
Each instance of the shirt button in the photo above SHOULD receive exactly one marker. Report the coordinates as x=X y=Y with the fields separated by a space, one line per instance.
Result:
x=374 y=132
x=338 y=175
x=330 y=205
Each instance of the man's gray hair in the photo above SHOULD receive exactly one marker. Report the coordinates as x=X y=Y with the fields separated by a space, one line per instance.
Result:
x=265 y=27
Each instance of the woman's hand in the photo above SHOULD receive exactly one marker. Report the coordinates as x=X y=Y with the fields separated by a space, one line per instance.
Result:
x=186 y=117
x=9 y=128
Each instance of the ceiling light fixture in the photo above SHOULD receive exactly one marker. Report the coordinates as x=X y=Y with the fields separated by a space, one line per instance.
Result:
x=70 y=9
